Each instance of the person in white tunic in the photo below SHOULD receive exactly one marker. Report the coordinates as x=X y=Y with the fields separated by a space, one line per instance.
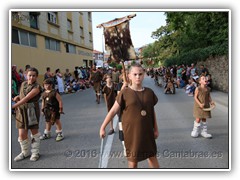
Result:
x=60 y=81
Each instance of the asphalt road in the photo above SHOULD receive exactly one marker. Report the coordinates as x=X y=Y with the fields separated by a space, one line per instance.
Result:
x=176 y=148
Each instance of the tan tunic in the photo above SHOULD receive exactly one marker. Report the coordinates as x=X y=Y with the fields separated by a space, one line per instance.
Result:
x=137 y=129
x=203 y=97
x=21 y=113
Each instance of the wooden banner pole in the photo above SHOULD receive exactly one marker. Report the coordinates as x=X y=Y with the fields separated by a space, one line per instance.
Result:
x=124 y=72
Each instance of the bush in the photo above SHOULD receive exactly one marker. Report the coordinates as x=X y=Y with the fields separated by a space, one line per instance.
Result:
x=196 y=55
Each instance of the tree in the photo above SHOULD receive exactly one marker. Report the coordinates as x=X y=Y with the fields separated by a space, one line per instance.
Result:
x=186 y=32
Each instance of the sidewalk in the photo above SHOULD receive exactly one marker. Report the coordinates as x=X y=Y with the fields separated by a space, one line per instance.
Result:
x=220 y=97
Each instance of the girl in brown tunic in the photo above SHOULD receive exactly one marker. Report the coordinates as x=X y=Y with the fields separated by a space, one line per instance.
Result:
x=27 y=116
x=52 y=107
x=139 y=124
x=202 y=99
x=109 y=96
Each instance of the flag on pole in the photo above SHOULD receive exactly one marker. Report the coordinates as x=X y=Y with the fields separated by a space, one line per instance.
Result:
x=118 y=39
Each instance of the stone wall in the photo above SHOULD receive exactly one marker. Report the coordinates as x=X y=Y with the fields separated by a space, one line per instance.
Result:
x=219 y=69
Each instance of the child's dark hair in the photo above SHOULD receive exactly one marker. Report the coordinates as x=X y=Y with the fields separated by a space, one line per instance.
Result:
x=33 y=69
x=48 y=81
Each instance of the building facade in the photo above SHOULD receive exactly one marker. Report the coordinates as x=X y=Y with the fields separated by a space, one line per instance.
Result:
x=51 y=39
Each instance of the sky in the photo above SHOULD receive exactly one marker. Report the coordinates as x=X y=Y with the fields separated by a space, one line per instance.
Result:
x=141 y=26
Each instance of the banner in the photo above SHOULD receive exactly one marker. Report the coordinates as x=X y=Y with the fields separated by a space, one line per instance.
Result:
x=118 y=39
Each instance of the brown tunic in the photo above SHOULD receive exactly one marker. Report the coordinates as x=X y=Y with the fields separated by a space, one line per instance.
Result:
x=110 y=96
x=51 y=105
x=203 y=97
x=21 y=112
x=137 y=129
x=96 y=77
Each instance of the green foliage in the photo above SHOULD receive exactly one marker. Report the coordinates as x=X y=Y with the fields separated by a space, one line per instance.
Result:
x=196 y=55
x=189 y=37
x=119 y=66
x=113 y=64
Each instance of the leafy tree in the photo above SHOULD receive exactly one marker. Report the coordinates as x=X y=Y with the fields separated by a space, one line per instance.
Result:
x=189 y=32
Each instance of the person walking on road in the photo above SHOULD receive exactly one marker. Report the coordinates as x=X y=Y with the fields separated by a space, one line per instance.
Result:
x=139 y=124
x=52 y=107
x=96 y=78
x=27 y=116
x=202 y=99
x=109 y=96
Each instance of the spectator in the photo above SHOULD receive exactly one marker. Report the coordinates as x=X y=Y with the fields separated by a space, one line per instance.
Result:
x=20 y=72
x=59 y=78
x=190 y=88
x=193 y=70
x=48 y=74
x=67 y=76
x=76 y=72
x=16 y=77
x=25 y=72
x=209 y=84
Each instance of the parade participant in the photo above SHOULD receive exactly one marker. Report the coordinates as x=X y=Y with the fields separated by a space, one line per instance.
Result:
x=115 y=78
x=109 y=96
x=27 y=116
x=202 y=100
x=139 y=124
x=52 y=107
x=95 y=78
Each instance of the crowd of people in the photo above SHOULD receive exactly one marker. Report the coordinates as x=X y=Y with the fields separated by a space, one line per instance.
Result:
x=182 y=76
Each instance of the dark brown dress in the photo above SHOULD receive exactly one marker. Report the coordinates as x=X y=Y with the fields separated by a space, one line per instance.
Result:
x=203 y=97
x=138 y=130
x=21 y=112
x=51 y=105
x=110 y=96
x=96 y=77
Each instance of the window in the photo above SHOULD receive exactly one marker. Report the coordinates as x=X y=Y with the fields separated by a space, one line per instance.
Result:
x=81 y=31
x=15 y=38
x=52 y=44
x=89 y=16
x=70 y=48
x=34 y=19
x=90 y=36
x=32 y=40
x=69 y=25
x=24 y=38
x=52 y=17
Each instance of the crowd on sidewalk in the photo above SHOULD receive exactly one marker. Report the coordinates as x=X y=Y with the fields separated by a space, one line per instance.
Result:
x=182 y=76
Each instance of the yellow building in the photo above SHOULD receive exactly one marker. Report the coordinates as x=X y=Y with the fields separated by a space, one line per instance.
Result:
x=51 y=39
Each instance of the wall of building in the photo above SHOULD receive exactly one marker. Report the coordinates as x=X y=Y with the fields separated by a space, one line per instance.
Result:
x=219 y=69
x=41 y=57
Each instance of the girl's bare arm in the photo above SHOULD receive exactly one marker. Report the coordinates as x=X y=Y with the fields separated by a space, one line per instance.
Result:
x=108 y=118
x=29 y=96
